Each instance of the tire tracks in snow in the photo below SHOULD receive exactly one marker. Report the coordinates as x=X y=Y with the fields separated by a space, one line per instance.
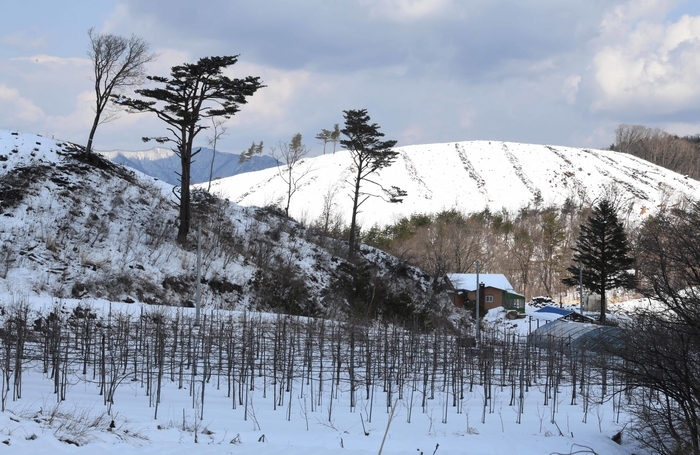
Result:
x=471 y=170
x=568 y=178
x=520 y=173
x=414 y=176
x=611 y=163
x=253 y=189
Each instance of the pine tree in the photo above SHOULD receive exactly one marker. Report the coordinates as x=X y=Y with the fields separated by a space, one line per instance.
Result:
x=247 y=155
x=369 y=154
x=335 y=136
x=603 y=252
x=194 y=92
x=325 y=137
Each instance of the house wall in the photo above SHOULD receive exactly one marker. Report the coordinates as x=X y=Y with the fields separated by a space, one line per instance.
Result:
x=496 y=293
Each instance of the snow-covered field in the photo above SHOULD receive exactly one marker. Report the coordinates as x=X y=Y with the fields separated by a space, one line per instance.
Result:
x=37 y=424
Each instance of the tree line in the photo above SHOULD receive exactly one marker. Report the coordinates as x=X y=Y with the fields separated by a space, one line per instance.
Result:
x=532 y=247
x=542 y=250
x=679 y=154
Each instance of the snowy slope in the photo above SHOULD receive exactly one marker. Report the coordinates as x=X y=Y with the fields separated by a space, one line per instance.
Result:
x=76 y=228
x=470 y=176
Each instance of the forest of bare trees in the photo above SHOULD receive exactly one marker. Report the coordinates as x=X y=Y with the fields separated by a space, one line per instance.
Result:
x=531 y=247
x=680 y=154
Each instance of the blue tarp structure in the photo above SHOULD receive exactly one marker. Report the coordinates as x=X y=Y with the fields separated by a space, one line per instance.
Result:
x=564 y=314
x=555 y=310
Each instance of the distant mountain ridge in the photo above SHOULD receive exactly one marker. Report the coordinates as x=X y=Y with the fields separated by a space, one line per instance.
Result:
x=163 y=164
x=469 y=176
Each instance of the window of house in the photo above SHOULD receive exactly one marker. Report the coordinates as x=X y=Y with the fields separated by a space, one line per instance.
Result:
x=489 y=298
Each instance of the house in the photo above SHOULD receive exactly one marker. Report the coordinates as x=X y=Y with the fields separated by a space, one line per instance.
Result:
x=495 y=291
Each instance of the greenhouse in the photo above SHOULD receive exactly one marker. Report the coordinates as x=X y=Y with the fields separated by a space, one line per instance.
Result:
x=576 y=335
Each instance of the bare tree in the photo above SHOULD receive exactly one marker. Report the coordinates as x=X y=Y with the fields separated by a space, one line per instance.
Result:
x=659 y=147
x=662 y=377
x=118 y=63
x=551 y=236
x=292 y=155
x=218 y=130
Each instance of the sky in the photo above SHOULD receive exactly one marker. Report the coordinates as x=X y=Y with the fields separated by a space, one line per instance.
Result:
x=428 y=71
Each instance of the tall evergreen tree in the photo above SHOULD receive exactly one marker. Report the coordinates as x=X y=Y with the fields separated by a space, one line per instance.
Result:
x=193 y=92
x=247 y=155
x=369 y=154
x=325 y=137
x=603 y=252
x=335 y=136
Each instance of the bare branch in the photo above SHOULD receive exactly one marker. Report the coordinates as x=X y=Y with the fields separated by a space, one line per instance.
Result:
x=118 y=63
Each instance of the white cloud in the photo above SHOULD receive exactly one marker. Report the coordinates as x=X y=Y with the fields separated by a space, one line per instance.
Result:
x=167 y=58
x=656 y=67
x=119 y=16
x=682 y=128
x=467 y=118
x=43 y=59
x=570 y=88
x=274 y=101
x=80 y=119
x=414 y=134
x=24 y=40
x=17 y=109
x=621 y=19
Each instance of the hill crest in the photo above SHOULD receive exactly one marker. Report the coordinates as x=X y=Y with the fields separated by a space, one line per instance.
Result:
x=470 y=177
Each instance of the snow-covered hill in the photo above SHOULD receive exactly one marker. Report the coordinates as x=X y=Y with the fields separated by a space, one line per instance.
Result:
x=469 y=177
x=77 y=227
x=163 y=164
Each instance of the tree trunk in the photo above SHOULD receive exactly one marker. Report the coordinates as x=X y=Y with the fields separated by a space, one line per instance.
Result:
x=88 y=147
x=603 y=304
x=353 y=223
x=184 y=227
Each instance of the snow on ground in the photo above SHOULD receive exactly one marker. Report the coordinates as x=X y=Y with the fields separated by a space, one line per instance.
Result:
x=469 y=177
x=37 y=424
x=523 y=327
